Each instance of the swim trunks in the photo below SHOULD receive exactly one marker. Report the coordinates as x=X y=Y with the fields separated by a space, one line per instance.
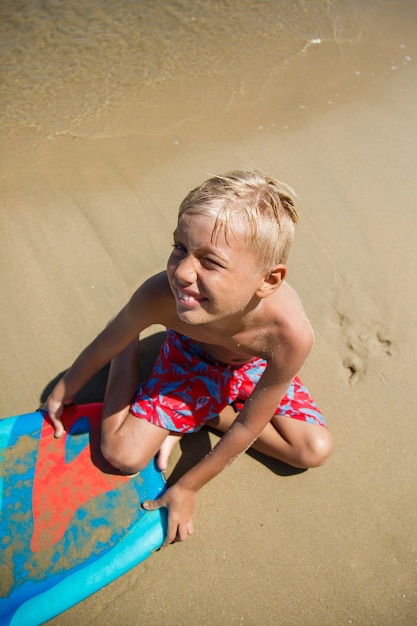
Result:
x=188 y=387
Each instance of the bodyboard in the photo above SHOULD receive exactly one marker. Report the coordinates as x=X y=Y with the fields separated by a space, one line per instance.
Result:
x=69 y=522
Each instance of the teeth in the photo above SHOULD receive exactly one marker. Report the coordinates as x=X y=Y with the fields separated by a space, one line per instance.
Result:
x=186 y=297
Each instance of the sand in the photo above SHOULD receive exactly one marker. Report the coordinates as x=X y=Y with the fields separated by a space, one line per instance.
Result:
x=87 y=214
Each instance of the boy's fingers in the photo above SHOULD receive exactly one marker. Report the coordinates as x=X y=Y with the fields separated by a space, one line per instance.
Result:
x=59 y=432
x=151 y=505
x=59 y=429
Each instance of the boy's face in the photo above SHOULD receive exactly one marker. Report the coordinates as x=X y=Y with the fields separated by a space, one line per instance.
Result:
x=211 y=280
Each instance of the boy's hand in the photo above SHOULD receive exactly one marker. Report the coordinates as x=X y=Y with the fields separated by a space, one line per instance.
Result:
x=180 y=503
x=54 y=409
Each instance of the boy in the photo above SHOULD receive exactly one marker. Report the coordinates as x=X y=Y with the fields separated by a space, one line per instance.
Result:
x=237 y=336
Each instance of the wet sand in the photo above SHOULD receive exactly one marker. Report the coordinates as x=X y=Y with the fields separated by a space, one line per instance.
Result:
x=87 y=214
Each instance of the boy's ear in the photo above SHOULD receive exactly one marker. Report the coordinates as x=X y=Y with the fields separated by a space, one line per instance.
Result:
x=271 y=281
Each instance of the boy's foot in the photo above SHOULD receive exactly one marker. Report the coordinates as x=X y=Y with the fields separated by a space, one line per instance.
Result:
x=165 y=450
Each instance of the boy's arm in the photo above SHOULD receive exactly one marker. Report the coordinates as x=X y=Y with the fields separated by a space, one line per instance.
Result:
x=140 y=312
x=257 y=412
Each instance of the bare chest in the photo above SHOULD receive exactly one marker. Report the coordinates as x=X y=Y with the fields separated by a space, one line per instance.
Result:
x=225 y=347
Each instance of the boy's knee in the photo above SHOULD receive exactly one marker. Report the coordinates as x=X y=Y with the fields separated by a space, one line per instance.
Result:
x=319 y=448
x=122 y=459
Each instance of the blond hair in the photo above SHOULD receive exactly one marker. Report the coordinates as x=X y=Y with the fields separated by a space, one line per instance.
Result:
x=262 y=205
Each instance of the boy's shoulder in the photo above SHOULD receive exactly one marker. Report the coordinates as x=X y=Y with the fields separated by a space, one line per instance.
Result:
x=153 y=299
x=289 y=301
x=157 y=281
x=287 y=321
x=153 y=288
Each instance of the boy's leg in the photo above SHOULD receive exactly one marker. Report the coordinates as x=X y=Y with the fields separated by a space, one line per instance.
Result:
x=127 y=442
x=166 y=448
x=298 y=443
x=133 y=445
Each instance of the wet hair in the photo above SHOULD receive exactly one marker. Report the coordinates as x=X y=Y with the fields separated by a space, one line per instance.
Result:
x=263 y=206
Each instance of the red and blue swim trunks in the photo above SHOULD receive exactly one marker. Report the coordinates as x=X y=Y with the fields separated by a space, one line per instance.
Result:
x=187 y=387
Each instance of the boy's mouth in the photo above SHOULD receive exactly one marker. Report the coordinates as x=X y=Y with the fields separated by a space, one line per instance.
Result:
x=188 y=298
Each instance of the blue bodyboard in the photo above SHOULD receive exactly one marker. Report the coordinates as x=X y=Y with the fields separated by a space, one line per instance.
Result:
x=69 y=522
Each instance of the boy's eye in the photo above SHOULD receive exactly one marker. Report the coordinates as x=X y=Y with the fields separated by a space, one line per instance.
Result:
x=210 y=263
x=177 y=247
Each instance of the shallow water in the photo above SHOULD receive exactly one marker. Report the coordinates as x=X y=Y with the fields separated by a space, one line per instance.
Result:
x=116 y=67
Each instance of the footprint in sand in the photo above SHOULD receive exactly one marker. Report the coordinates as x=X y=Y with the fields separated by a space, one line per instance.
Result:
x=363 y=343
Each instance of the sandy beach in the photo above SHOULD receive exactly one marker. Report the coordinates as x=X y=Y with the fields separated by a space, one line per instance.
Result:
x=324 y=100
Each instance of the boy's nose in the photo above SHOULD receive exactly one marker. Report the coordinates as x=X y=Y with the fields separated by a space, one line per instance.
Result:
x=185 y=271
